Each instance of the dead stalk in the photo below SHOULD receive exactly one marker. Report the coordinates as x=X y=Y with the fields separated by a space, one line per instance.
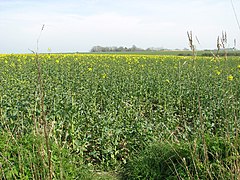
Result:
x=218 y=46
x=205 y=149
x=42 y=118
x=224 y=43
x=191 y=44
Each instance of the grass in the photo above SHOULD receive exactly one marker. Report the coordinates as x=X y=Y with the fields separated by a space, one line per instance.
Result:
x=108 y=114
x=183 y=160
x=23 y=158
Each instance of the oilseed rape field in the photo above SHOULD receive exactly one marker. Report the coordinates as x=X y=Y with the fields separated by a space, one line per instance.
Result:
x=108 y=116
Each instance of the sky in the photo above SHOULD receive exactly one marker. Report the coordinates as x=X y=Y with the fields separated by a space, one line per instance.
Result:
x=78 y=25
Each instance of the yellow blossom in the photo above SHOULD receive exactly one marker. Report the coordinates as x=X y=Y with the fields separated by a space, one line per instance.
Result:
x=230 y=77
x=90 y=69
x=218 y=72
x=104 y=75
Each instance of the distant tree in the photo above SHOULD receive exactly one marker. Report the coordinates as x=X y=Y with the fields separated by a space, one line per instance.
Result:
x=121 y=49
x=96 y=49
x=133 y=48
x=115 y=49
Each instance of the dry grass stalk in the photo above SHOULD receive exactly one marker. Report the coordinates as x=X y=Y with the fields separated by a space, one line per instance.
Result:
x=235 y=44
x=218 y=46
x=206 y=160
x=42 y=122
x=224 y=43
x=191 y=44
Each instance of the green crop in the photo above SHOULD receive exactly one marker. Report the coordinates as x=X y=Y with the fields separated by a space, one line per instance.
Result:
x=105 y=108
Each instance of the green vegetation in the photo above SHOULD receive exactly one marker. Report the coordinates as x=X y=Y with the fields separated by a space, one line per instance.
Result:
x=207 y=53
x=184 y=160
x=118 y=116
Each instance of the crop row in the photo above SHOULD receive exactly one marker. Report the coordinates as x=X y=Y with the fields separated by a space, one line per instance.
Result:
x=106 y=107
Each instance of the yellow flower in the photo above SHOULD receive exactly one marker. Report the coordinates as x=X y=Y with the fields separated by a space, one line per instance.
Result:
x=218 y=72
x=12 y=65
x=230 y=77
x=104 y=75
x=90 y=69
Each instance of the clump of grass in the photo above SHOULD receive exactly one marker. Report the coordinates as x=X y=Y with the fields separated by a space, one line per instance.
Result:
x=21 y=158
x=184 y=160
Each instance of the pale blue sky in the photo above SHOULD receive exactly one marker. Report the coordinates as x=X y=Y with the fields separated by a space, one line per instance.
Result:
x=77 y=25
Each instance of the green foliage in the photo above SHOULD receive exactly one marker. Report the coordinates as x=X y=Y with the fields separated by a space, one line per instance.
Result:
x=102 y=109
x=25 y=158
x=20 y=157
x=160 y=161
x=184 y=160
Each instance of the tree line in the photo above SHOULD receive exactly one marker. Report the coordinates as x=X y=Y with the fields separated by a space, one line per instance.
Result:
x=134 y=48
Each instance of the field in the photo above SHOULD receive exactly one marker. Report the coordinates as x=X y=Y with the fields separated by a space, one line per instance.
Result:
x=113 y=116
